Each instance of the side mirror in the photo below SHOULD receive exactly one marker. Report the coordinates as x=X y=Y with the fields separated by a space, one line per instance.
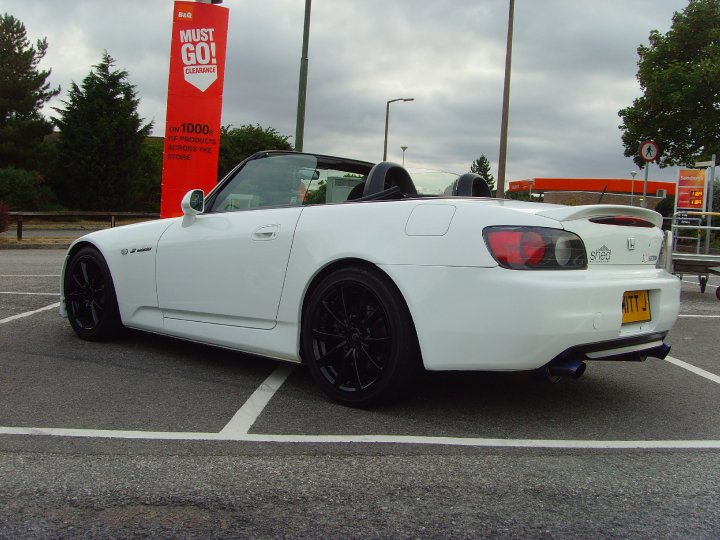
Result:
x=193 y=203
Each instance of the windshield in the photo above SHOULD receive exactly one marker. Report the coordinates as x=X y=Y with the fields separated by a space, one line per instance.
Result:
x=429 y=182
x=289 y=180
x=292 y=179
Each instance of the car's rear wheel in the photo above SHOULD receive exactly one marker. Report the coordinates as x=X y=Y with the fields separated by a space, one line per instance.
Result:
x=90 y=296
x=358 y=338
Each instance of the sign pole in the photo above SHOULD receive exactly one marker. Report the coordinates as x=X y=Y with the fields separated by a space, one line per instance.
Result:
x=711 y=187
x=648 y=151
x=644 y=199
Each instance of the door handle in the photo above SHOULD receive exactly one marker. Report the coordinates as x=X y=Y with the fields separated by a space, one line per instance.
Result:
x=266 y=232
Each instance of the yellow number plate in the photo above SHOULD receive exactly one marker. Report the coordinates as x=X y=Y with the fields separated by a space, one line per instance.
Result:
x=635 y=307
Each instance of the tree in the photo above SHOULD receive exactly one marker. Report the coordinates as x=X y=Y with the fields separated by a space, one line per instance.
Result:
x=145 y=186
x=25 y=190
x=23 y=91
x=236 y=144
x=666 y=207
x=4 y=216
x=679 y=74
x=101 y=141
x=481 y=166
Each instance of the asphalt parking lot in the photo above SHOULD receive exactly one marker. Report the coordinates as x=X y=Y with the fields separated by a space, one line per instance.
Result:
x=157 y=437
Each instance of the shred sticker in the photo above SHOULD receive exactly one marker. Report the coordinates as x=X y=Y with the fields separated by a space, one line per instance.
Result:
x=600 y=255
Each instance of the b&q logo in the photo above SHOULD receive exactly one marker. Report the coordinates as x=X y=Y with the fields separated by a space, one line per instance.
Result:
x=184 y=14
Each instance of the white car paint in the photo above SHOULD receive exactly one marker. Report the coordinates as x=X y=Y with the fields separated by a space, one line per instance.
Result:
x=225 y=268
x=365 y=273
x=239 y=279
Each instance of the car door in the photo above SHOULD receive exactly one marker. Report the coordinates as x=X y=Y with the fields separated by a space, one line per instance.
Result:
x=226 y=268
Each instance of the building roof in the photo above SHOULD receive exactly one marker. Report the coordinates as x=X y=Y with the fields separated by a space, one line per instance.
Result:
x=609 y=185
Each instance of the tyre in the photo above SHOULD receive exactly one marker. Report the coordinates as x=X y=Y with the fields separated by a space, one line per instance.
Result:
x=90 y=299
x=358 y=338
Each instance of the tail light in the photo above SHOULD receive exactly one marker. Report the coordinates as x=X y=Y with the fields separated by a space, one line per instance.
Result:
x=535 y=248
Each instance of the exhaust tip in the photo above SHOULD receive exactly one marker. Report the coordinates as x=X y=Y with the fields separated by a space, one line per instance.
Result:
x=660 y=352
x=569 y=368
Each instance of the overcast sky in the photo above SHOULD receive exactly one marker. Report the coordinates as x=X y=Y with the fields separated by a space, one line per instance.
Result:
x=574 y=67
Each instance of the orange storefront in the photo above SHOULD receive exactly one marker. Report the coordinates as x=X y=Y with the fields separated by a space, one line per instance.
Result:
x=624 y=186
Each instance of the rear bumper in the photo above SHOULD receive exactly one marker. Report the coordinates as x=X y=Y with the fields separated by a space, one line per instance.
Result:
x=635 y=349
x=504 y=320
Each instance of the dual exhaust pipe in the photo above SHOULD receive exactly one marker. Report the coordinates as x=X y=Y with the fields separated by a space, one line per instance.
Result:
x=573 y=369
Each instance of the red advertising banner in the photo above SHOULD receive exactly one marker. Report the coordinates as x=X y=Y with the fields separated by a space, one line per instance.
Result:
x=194 y=107
x=691 y=190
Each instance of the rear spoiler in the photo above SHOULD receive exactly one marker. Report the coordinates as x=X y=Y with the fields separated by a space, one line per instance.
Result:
x=570 y=213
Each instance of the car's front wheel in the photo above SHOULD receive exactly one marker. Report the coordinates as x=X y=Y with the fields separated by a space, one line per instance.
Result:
x=90 y=298
x=358 y=338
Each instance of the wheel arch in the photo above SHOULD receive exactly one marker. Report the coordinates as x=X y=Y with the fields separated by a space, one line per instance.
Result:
x=80 y=245
x=351 y=262
x=72 y=250
x=108 y=323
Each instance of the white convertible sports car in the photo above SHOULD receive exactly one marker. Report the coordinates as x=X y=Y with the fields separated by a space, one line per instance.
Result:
x=369 y=275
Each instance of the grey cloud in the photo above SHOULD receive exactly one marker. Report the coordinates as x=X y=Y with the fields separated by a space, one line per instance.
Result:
x=574 y=67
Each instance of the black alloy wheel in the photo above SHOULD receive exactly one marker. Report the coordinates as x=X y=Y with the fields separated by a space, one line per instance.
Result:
x=358 y=338
x=90 y=298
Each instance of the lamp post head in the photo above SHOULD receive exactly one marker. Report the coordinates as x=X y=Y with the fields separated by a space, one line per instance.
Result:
x=633 y=173
x=400 y=99
x=387 y=120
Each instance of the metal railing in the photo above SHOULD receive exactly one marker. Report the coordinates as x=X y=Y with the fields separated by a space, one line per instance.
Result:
x=21 y=216
x=690 y=221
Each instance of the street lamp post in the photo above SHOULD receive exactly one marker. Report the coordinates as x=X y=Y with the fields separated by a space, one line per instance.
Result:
x=302 y=84
x=632 y=187
x=403 y=148
x=500 y=194
x=387 y=118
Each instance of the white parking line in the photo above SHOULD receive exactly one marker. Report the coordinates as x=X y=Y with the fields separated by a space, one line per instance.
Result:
x=699 y=316
x=29 y=313
x=696 y=370
x=237 y=428
x=33 y=293
x=243 y=420
x=698 y=284
x=367 y=439
x=29 y=275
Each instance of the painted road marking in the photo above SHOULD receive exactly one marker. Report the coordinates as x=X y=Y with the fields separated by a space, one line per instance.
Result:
x=237 y=428
x=366 y=439
x=246 y=416
x=33 y=293
x=696 y=370
x=698 y=316
x=29 y=275
x=29 y=313
x=698 y=284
